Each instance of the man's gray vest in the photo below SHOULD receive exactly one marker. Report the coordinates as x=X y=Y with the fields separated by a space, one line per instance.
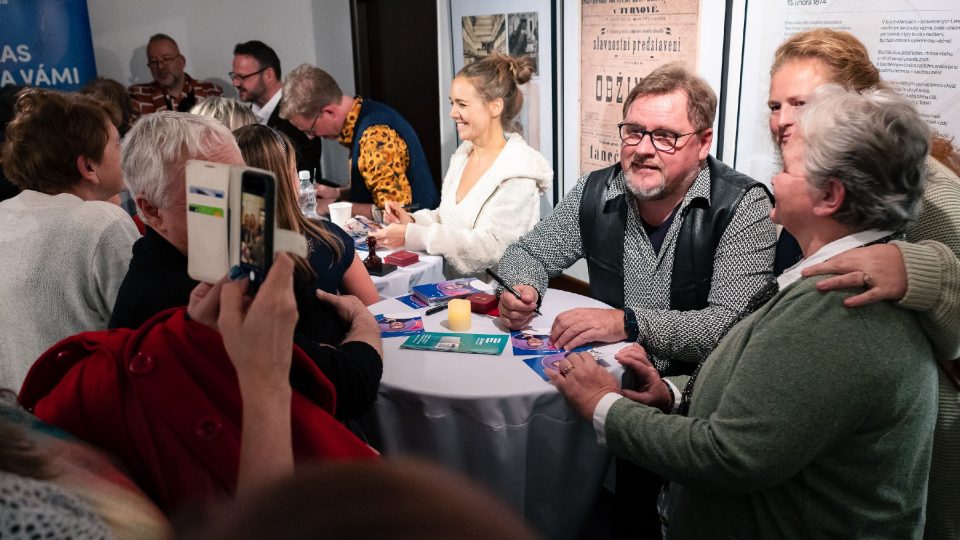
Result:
x=602 y=225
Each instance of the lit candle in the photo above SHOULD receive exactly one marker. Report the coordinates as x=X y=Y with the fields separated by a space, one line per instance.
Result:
x=458 y=315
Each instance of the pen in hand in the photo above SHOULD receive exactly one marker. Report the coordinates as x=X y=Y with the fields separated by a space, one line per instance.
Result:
x=508 y=288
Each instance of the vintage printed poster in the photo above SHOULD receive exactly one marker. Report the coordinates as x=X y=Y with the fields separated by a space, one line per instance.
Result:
x=622 y=41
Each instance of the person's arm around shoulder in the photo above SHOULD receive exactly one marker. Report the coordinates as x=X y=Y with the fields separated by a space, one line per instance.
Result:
x=923 y=277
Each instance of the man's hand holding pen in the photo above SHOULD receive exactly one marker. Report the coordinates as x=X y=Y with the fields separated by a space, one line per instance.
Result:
x=517 y=313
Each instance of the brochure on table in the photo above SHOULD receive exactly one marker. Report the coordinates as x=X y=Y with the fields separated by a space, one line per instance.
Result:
x=399 y=324
x=535 y=341
x=444 y=291
x=540 y=364
x=459 y=343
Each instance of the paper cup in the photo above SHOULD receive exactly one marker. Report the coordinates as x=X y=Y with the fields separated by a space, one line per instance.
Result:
x=340 y=213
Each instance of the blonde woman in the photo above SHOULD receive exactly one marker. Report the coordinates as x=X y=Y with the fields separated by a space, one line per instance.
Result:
x=491 y=193
x=332 y=261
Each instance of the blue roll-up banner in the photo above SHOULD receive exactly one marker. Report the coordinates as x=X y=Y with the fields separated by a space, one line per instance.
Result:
x=46 y=43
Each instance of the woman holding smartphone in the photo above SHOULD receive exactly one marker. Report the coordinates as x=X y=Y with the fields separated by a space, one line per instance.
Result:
x=332 y=259
x=491 y=193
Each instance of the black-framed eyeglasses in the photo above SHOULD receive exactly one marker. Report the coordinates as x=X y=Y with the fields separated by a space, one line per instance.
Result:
x=157 y=62
x=662 y=139
x=309 y=131
x=237 y=77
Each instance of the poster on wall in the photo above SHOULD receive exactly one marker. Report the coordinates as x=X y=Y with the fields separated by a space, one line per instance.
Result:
x=46 y=43
x=914 y=43
x=517 y=28
x=621 y=41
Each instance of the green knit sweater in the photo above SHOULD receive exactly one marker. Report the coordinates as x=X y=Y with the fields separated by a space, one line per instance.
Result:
x=809 y=420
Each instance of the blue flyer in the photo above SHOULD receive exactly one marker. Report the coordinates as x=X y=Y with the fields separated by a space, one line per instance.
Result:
x=399 y=324
x=540 y=364
x=534 y=341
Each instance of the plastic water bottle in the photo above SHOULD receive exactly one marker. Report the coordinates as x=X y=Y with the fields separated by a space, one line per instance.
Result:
x=308 y=196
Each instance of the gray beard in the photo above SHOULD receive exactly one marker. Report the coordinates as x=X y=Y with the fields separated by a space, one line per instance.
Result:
x=652 y=194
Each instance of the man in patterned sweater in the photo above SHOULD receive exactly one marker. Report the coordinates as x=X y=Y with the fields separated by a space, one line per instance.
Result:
x=675 y=241
x=387 y=162
x=171 y=88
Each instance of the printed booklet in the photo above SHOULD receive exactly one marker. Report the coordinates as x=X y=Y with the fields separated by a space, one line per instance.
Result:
x=461 y=343
x=443 y=292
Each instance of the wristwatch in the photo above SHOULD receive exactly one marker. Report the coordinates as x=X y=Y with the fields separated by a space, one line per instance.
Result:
x=630 y=324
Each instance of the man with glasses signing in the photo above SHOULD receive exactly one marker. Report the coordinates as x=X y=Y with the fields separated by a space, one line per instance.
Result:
x=387 y=161
x=171 y=88
x=675 y=241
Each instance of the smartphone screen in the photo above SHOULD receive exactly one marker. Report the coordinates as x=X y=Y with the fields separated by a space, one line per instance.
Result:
x=256 y=227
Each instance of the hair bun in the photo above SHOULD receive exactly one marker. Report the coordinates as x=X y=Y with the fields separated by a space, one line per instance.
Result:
x=521 y=68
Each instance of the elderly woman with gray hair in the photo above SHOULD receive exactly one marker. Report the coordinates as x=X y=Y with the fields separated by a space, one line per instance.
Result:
x=809 y=419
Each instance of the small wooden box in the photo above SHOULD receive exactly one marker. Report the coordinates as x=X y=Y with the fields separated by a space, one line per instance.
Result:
x=482 y=302
x=402 y=258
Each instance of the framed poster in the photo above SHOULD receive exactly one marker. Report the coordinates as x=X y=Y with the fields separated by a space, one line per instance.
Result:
x=517 y=28
x=620 y=43
x=616 y=43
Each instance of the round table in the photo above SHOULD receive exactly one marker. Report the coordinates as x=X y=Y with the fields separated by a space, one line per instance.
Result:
x=493 y=419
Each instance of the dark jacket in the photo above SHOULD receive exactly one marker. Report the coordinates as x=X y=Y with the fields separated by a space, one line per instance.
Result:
x=309 y=152
x=423 y=189
x=157 y=280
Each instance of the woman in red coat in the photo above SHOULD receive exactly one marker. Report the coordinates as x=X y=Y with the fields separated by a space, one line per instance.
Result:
x=166 y=398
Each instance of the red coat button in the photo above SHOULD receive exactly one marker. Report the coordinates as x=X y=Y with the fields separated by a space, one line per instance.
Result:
x=141 y=364
x=207 y=429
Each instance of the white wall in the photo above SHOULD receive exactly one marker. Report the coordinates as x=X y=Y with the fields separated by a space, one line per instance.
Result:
x=300 y=31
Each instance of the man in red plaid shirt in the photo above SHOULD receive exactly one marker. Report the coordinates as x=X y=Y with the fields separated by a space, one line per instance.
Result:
x=171 y=89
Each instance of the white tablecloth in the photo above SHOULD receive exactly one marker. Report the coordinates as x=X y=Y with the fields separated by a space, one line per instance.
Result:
x=494 y=419
x=398 y=282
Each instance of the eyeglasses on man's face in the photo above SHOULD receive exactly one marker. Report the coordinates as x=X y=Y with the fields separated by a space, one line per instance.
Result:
x=309 y=131
x=162 y=61
x=236 y=77
x=662 y=139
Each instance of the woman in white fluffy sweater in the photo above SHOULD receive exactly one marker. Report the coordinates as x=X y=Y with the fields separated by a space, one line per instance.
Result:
x=491 y=193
